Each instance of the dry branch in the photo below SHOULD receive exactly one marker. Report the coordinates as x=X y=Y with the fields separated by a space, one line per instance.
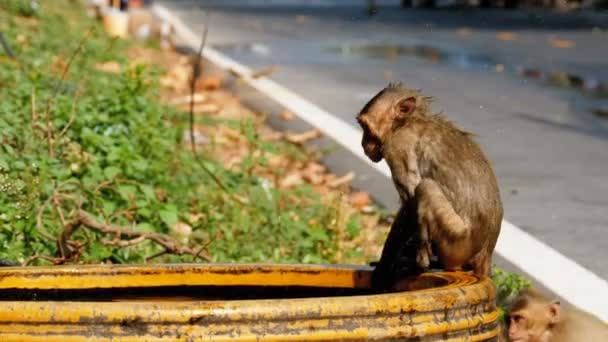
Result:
x=169 y=244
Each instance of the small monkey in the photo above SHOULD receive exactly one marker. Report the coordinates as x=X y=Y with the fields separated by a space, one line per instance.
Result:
x=532 y=318
x=450 y=202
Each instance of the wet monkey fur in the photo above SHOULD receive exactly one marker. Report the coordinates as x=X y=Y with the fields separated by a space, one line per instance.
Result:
x=450 y=202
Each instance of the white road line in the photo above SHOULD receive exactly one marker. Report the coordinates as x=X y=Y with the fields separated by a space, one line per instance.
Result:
x=557 y=273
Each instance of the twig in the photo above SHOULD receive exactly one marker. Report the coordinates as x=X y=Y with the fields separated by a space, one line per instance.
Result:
x=39 y=225
x=155 y=255
x=31 y=259
x=123 y=243
x=34 y=114
x=50 y=102
x=196 y=70
x=72 y=116
x=170 y=245
x=7 y=47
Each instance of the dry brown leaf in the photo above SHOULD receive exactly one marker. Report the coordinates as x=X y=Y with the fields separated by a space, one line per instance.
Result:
x=212 y=82
x=21 y=39
x=561 y=43
x=207 y=108
x=194 y=217
x=287 y=115
x=291 y=180
x=506 y=36
x=272 y=136
x=276 y=161
x=263 y=72
x=300 y=138
x=347 y=178
x=111 y=67
x=360 y=200
x=313 y=173
x=181 y=100
x=181 y=228
x=230 y=133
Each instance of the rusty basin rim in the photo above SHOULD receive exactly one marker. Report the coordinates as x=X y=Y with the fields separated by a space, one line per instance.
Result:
x=127 y=276
x=464 y=306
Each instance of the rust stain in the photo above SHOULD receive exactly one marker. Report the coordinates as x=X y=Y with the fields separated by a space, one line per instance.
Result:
x=454 y=305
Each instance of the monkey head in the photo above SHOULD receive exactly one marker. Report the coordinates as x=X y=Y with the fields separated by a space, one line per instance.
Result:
x=386 y=112
x=530 y=318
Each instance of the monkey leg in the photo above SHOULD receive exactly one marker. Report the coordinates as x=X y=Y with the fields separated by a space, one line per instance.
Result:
x=439 y=223
x=399 y=253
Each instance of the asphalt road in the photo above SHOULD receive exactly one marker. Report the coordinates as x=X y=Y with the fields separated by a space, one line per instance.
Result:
x=547 y=143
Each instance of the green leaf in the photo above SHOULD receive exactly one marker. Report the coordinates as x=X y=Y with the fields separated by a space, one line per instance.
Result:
x=3 y=164
x=109 y=207
x=111 y=172
x=169 y=215
x=19 y=165
x=145 y=227
x=127 y=192
x=140 y=165
x=148 y=192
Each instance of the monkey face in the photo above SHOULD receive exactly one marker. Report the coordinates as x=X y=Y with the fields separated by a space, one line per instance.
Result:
x=372 y=147
x=518 y=328
x=533 y=322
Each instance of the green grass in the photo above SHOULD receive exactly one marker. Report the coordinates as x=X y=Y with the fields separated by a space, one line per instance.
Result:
x=103 y=144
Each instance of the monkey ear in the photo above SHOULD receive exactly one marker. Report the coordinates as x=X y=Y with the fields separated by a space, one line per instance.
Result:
x=405 y=107
x=554 y=312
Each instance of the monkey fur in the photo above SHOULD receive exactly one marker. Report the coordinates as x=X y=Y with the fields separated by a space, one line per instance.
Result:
x=450 y=201
x=530 y=317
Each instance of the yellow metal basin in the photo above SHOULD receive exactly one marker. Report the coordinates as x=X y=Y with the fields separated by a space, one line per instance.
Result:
x=259 y=302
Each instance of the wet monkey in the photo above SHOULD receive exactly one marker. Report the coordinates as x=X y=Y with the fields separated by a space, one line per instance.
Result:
x=450 y=201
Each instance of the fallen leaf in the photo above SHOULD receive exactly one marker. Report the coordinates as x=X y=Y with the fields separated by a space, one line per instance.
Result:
x=207 y=108
x=276 y=161
x=181 y=228
x=272 y=136
x=561 y=43
x=301 y=138
x=212 y=82
x=194 y=217
x=313 y=173
x=180 y=100
x=263 y=72
x=291 y=180
x=360 y=200
x=347 y=178
x=506 y=36
x=287 y=116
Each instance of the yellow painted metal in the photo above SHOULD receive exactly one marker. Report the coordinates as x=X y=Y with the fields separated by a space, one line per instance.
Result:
x=443 y=306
